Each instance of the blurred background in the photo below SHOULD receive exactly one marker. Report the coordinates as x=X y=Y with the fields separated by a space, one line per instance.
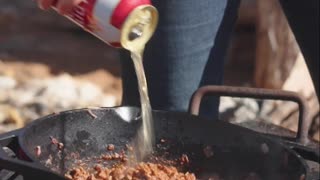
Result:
x=48 y=64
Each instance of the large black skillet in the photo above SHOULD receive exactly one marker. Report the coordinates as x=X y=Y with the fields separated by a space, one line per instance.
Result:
x=238 y=152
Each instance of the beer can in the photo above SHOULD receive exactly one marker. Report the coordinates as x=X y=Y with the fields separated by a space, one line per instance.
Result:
x=119 y=23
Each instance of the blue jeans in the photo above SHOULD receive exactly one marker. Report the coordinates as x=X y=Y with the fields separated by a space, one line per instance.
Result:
x=187 y=51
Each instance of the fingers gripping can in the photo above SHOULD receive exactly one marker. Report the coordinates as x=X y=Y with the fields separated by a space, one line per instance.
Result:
x=119 y=23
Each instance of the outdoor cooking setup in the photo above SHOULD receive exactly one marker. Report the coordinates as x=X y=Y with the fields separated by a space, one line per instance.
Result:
x=50 y=146
x=237 y=152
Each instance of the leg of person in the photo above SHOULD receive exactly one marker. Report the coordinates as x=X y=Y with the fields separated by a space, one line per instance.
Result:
x=213 y=72
x=183 y=54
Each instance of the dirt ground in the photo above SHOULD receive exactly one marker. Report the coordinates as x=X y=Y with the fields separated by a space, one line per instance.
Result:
x=34 y=43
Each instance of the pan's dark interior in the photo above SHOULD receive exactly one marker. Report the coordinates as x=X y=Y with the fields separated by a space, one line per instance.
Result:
x=238 y=152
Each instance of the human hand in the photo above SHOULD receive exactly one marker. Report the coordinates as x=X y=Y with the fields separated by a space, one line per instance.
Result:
x=63 y=6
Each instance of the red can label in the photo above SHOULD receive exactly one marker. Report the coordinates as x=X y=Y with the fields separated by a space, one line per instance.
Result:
x=104 y=18
x=82 y=14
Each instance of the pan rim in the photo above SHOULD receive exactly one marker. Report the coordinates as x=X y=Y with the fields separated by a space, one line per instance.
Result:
x=22 y=138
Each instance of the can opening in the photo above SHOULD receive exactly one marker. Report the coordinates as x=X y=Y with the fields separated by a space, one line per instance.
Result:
x=135 y=33
x=139 y=27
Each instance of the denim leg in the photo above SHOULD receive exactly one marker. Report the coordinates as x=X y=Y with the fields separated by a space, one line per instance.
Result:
x=186 y=51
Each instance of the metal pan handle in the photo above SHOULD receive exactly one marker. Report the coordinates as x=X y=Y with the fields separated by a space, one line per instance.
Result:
x=28 y=169
x=305 y=118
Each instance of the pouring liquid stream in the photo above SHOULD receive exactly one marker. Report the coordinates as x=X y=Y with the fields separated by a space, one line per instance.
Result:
x=145 y=138
x=136 y=32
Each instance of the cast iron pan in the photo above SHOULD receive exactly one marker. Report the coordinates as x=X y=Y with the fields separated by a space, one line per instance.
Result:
x=238 y=152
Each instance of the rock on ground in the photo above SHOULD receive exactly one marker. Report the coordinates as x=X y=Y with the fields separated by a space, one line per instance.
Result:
x=27 y=101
